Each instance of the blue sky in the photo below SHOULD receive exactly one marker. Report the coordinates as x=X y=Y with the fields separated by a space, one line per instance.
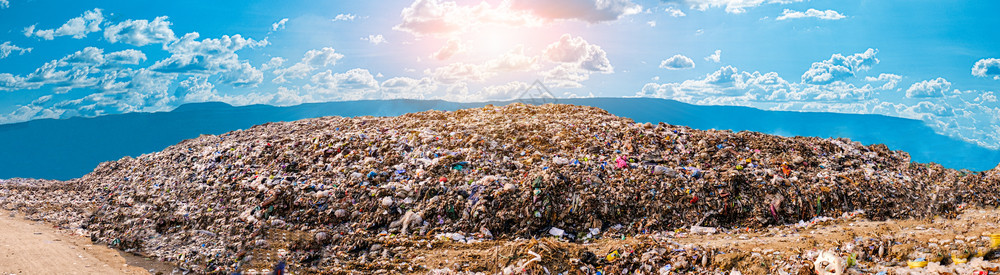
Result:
x=935 y=61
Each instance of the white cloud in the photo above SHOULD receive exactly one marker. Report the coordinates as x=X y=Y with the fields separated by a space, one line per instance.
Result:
x=280 y=25
x=344 y=17
x=86 y=68
x=592 y=11
x=715 y=57
x=312 y=60
x=129 y=56
x=87 y=56
x=731 y=6
x=674 y=12
x=78 y=27
x=196 y=89
x=7 y=48
x=729 y=86
x=211 y=56
x=929 y=88
x=274 y=63
x=824 y=15
x=967 y=115
x=566 y=75
x=140 y=32
x=839 y=67
x=4 y=4
x=987 y=97
x=375 y=39
x=514 y=60
x=987 y=67
x=146 y=91
x=677 y=62
x=571 y=49
x=242 y=74
x=460 y=72
x=891 y=80
x=651 y=23
x=405 y=87
x=505 y=91
x=452 y=47
x=28 y=31
x=354 y=79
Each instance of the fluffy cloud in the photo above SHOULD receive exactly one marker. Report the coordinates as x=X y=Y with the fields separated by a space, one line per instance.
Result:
x=929 y=88
x=274 y=63
x=592 y=11
x=345 y=17
x=405 y=87
x=312 y=60
x=7 y=48
x=731 y=86
x=140 y=32
x=715 y=57
x=571 y=49
x=29 y=30
x=677 y=62
x=211 y=56
x=280 y=25
x=460 y=72
x=129 y=56
x=839 y=67
x=566 y=75
x=78 y=27
x=4 y=4
x=987 y=67
x=196 y=89
x=507 y=91
x=354 y=79
x=146 y=91
x=452 y=47
x=891 y=80
x=674 y=12
x=968 y=115
x=731 y=6
x=512 y=61
x=375 y=39
x=87 y=68
x=824 y=15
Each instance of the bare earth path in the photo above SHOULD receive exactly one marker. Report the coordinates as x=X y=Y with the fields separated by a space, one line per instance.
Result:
x=28 y=247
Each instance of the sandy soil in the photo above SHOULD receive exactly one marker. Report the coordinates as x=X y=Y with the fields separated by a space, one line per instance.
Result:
x=28 y=247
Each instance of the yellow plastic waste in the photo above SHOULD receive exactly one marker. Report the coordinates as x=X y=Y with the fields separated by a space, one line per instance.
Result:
x=959 y=260
x=614 y=255
x=994 y=240
x=916 y=264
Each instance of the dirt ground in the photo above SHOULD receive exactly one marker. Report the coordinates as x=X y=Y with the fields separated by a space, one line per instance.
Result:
x=28 y=247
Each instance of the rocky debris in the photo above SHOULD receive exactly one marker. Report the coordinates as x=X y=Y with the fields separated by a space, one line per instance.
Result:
x=362 y=194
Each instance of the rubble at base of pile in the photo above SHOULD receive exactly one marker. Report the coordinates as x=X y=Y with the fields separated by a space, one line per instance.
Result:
x=361 y=194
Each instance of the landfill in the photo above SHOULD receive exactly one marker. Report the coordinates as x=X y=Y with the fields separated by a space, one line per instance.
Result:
x=522 y=189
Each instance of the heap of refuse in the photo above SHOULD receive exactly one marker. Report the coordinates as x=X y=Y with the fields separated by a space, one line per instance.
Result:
x=362 y=193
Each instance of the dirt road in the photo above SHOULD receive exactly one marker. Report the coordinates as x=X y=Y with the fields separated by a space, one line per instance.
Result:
x=28 y=247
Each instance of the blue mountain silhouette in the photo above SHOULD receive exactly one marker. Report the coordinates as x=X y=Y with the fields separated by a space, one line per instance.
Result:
x=70 y=148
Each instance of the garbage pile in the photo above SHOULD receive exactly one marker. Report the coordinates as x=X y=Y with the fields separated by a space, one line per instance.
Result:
x=363 y=194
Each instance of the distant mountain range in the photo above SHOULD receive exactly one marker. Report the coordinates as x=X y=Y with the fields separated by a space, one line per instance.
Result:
x=70 y=148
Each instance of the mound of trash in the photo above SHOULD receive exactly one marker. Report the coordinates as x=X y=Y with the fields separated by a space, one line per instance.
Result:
x=361 y=194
